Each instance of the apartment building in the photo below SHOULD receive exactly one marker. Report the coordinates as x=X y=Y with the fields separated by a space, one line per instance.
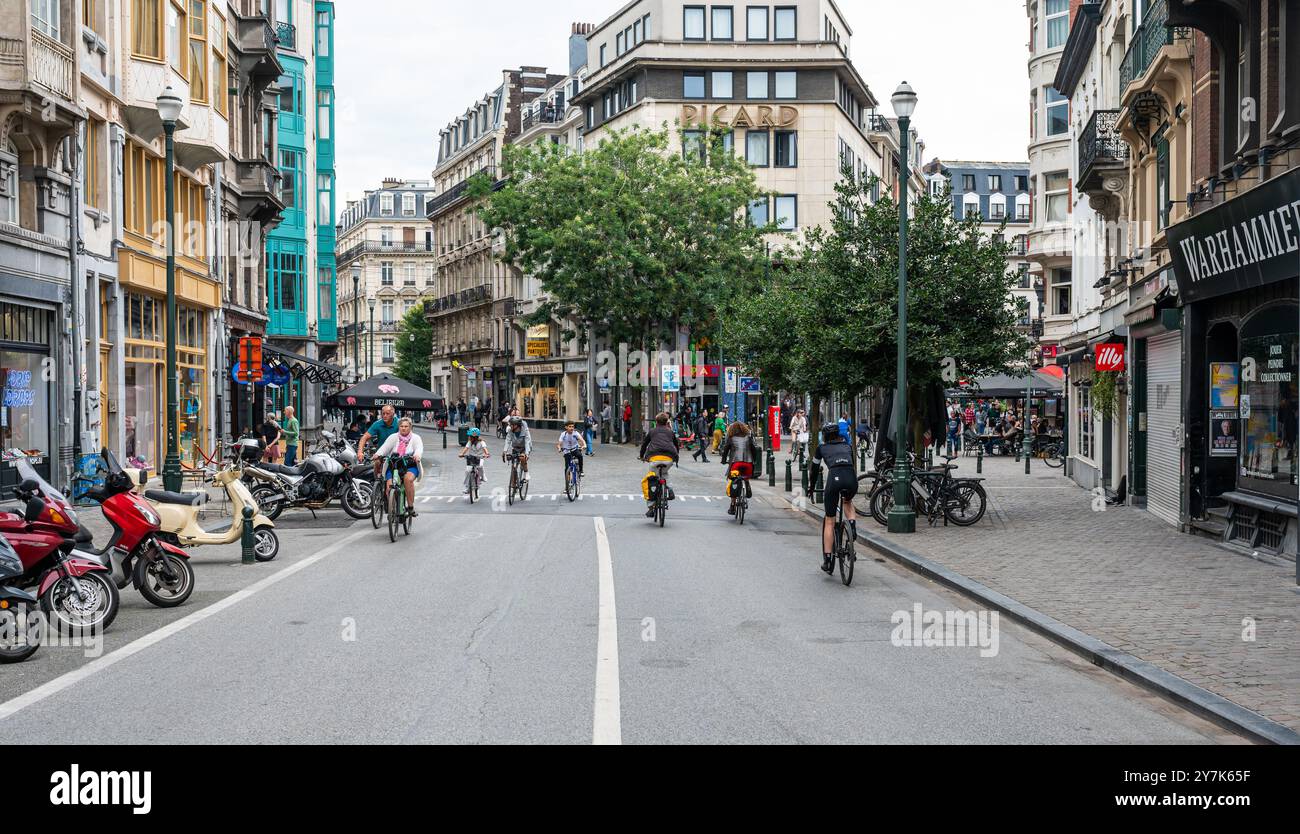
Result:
x=474 y=315
x=385 y=256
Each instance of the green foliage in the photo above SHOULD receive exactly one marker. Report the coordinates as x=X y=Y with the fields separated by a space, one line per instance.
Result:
x=414 y=348
x=1104 y=392
x=629 y=235
x=828 y=322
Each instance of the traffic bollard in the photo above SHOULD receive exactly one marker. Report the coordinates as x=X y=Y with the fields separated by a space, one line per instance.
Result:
x=862 y=459
x=803 y=477
x=771 y=468
x=246 y=540
x=444 y=438
x=979 y=459
x=789 y=476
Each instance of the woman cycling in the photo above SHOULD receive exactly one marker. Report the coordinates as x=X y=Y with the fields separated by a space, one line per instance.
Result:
x=739 y=450
x=405 y=445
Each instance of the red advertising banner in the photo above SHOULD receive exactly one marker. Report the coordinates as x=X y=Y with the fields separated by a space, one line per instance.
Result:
x=1110 y=357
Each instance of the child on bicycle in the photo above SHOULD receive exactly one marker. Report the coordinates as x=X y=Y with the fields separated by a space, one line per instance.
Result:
x=475 y=447
x=571 y=444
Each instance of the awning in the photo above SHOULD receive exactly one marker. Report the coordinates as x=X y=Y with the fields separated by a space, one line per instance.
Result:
x=1064 y=358
x=304 y=367
x=1038 y=384
x=386 y=389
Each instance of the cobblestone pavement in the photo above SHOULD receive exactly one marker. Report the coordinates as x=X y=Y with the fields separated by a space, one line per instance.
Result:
x=1123 y=576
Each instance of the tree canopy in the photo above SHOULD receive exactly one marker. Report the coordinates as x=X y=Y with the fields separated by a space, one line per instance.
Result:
x=414 y=348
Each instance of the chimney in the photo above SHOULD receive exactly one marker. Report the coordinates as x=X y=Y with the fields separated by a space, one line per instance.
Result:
x=578 y=46
x=391 y=182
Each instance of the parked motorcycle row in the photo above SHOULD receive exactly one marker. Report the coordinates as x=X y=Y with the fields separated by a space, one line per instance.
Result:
x=49 y=560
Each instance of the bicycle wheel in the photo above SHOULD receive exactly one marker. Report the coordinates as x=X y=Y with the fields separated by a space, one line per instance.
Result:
x=1055 y=459
x=966 y=503
x=406 y=517
x=740 y=510
x=848 y=555
x=523 y=487
x=394 y=510
x=377 y=502
x=881 y=502
x=577 y=483
x=570 y=485
x=514 y=485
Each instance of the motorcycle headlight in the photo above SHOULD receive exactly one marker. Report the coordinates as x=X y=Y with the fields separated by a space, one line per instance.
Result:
x=148 y=514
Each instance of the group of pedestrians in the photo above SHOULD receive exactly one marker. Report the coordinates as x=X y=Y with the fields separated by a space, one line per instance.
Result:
x=272 y=431
x=991 y=423
x=472 y=411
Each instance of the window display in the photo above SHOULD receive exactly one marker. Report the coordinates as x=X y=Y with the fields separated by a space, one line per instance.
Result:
x=24 y=406
x=1268 y=402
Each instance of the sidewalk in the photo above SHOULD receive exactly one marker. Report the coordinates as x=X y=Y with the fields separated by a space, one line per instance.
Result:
x=1127 y=579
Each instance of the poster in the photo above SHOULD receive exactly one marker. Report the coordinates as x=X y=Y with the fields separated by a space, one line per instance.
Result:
x=1223 y=433
x=1225 y=378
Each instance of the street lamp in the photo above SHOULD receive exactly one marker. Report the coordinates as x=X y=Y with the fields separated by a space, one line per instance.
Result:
x=902 y=518
x=370 y=360
x=1028 y=445
x=169 y=110
x=356 y=323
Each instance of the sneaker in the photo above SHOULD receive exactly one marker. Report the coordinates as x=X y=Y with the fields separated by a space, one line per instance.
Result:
x=650 y=513
x=731 y=510
x=828 y=564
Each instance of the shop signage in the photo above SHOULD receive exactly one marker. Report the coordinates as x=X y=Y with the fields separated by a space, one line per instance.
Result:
x=575 y=366
x=250 y=359
x=1051 y=351
x=1224 y=384
x=1110 y=357
x=746 y=115
x=539 y=369
x=1223 y=433
x=539 y=340
x=1247 y=242
x=702 y=371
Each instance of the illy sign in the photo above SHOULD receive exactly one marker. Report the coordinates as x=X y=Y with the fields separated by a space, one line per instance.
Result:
x=1110 y=357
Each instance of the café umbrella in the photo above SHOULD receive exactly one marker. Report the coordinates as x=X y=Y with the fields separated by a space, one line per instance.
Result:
x=386 y=389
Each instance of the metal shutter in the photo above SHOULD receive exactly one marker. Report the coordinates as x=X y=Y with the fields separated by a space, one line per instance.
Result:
x=1165 y=427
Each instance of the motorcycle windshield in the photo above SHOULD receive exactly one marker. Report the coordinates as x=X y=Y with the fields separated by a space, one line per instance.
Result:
x=27 y=473
x=10 y=564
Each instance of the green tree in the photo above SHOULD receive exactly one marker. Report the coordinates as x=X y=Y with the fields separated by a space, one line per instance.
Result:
x=414 y=347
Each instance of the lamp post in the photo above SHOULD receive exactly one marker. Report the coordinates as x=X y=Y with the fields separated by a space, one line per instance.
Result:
x=902 y=518
x=370 y=360
x=169 y=110
x=356 y=323
x=1037 y=331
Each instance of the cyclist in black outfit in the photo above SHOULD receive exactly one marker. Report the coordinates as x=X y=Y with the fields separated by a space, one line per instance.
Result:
x=841 y=485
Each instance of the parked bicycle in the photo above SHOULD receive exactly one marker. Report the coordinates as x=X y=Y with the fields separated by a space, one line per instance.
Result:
x=936 y=494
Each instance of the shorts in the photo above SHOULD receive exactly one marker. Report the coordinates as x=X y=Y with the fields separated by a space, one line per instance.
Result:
x=414 y=469
x=840 y=484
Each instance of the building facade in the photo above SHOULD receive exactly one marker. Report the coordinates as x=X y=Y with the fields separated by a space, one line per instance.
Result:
x=385 y=254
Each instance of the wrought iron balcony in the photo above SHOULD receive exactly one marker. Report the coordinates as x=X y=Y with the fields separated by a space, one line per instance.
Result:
x=286 y=36
x=472 y=297
x=877 y=123
x=548 y=115
x=1101 y=150
x=381 y=248
x=1153 y=34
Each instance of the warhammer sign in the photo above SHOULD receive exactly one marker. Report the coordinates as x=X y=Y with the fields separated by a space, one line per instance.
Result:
x=1110 y=357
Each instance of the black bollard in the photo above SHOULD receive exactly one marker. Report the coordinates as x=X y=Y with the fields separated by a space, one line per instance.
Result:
x=246 y=540
x=803 y=477
x=789 y=476
x=979 y=459
x=771 y=468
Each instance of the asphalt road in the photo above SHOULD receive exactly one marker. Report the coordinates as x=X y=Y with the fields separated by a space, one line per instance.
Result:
x=561 y=622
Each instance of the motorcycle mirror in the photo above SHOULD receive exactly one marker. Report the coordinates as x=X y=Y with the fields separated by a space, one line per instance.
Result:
x=34 y=509
x=29 y=486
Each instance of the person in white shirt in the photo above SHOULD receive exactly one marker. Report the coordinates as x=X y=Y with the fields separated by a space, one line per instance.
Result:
x=475 y=447
x=572 y=443
x=405 y=444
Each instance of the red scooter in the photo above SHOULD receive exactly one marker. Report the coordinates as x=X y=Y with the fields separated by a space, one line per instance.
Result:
x=75 y=594
x=137 y=554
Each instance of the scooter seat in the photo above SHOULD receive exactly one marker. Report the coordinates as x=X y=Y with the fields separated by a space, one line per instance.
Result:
x=187 y=499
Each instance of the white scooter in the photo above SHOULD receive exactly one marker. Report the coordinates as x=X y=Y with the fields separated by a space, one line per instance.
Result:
x=180 y=521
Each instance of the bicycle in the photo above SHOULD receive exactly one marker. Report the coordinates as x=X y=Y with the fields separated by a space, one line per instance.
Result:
x=739 y=482
x=399 y=514
x=936 y=494
x=1054 y=454
x=845 y=552
x=473 y=477
x=659 y=486
x=572 y=477
x=518 y=485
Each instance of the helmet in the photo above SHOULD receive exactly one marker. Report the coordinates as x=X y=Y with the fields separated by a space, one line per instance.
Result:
x=830 y=432
x=473 y=433
x=515 y=422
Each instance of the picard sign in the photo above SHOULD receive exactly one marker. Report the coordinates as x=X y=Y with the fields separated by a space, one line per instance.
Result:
x=747 y=116
x=1247 y=242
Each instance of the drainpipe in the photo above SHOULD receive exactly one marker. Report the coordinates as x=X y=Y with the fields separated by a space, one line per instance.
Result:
x=74 y=284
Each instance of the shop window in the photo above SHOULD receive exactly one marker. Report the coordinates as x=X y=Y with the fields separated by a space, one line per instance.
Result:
x=1083 y=419
x=1268 y=449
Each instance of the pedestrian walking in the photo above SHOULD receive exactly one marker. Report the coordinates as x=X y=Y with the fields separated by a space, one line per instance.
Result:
x=292 y=431
x=589 y=423
x=605 y=422
x=703 y=426
x=270 y=433
x=719 y=429
x=627 y=421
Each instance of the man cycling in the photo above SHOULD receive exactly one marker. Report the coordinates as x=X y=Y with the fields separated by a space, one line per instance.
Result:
x=659 y=446
x=739 y=450
x=841 y=485
x=519 y=441
x=378 y=433
x=571 y=444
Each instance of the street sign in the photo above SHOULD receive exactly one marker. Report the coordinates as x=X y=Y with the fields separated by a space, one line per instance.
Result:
x=250 y=359
x=750 y=385
x=732 y=376
x=670 y=380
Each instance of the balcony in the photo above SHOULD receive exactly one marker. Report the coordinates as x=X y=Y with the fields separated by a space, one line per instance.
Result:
x=380 y=248
x=877 y=123
x=463 y=300
x=548 y=115
x=51 y=66
x=259 y=190
x=256 y=39
x=1151 y=36
x=286 y=36
x=1103 y=155
x=455 y=193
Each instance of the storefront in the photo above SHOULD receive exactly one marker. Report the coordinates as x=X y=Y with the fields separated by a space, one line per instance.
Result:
x=1238 y=277
x=538 y=393
x=27 y=418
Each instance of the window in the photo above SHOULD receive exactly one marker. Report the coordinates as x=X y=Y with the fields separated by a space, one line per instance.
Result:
x=220 y=83
x=756 y=23
x=758 y=213
x=1083 y=419
x=176 y=40
x=602 y=55
x=1057 y=191
x=288 y=178
x=1058 y=22
x=693 y=23
x=288 y=95
x=638 y=33
x=386 y=205
x=146 y=28
x=45 y=17
x=325 y=199
x=1268 y=435
x=967 y=182
x=995 y=182
x=787 y=213
x=408 y=205
x=198 y=54
x=1162 y=181
x=785 y=23
x=96 y=149
x=787 y=148
x=1022 y=182
x=787 y=85
x=429 y=275
x=90 y=15
x=408 y=274
x=389 y=353
x=722 y=23
x=756 y=85
x=693 y=147
x=386 y=273
x=722 y=85
x=756 y=148
x=386 y=308
x=324 y=100
x=1058 y=113
x=971 y=205
x=997 y=208
x=1061 y=281
x=591 y=116
x=693 y=85
x=385 y=235
x=9 y=186
x=323 y=34
x=1022 y=206
x=618 y=44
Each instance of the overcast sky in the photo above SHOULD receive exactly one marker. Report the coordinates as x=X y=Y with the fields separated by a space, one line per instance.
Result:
x=404 y=68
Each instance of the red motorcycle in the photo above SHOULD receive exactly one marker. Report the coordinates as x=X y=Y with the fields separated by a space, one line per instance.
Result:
x=136 y=554
x=76 y=594
x=20 y=634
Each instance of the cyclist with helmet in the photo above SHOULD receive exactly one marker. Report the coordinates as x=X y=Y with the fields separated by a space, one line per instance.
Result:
x=841 y=485
x=519 y=441
x=660 y=446
x=477 y=448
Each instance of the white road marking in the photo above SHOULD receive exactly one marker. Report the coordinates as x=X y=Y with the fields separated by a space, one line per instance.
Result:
x=607 y=727
x=68 y=679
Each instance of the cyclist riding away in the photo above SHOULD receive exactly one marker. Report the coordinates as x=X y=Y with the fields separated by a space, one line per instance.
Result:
x=476 y=447
x=571 y=444
x=659 y=446
x=841 y=485
x=739 y=450
x=405 y=444
x=520 y=442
